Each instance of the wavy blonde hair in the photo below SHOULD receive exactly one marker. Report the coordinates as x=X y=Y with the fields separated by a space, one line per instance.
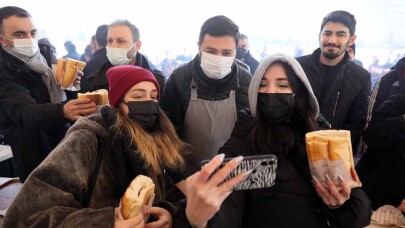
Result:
x=161 y=147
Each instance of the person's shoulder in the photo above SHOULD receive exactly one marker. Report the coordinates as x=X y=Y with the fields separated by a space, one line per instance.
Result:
x=358 y=69
x=183 y=71
x=304 y=58
x=93 y=123
x=244 y=75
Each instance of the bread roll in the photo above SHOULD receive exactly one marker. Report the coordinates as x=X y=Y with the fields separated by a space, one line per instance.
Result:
x=330 y=145
x=68 y=74
x=80 y=65
x=137 y=195
x=104 y=94
x=99 y=97
x=388 y=215
x=60 y=69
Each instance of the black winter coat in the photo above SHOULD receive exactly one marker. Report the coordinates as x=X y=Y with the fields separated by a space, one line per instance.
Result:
x=251 y=62
x=345 y=103
x=98 y=80
x=382 y=167
x=391 y=83
x=31 y=125
x=176 y=96
x=98 y=60
x=291 y=202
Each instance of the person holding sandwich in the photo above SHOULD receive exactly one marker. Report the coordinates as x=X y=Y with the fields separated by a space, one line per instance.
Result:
x=86 y=175
x=283 y=108
x=35 y=112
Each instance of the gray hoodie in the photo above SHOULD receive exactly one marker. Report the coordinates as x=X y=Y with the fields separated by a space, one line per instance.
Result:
x=261 y=70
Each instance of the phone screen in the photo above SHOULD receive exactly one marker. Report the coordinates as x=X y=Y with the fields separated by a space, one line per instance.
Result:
x=263 y=175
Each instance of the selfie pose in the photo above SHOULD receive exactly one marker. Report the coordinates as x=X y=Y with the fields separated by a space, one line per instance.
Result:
x=81 y=183
x=283 y=108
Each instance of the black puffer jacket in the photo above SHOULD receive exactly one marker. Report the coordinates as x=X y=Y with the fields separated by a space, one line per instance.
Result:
x=31 y=125
x=391 y=83
x=345 y=103
x=98 y=80
x=176 y=96
x=382 y=167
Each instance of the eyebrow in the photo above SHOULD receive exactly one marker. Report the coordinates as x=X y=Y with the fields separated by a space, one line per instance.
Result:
x=142 y=90
x=277 y=79
x=24 y=32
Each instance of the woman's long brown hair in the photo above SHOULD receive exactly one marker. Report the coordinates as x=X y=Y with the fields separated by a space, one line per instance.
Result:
x=160 y=147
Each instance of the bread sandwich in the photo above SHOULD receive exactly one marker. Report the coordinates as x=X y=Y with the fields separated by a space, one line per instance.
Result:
x=99 y=97
x=137 y=195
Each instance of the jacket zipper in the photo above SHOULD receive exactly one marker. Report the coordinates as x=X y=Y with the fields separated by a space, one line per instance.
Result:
x=336 y=103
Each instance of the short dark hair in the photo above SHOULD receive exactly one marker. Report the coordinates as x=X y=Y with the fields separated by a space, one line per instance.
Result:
x=219 y=26
x=243 y=37
x=9 y=11
x=132 y=27
x=101 y=35
x=343 y=17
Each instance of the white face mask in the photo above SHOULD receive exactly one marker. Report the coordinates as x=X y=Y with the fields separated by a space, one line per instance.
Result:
x=216 y=67
x=119 y=56
x=24 y=47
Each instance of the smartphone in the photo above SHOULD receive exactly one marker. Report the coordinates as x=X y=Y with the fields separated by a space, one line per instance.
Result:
x=263 y=175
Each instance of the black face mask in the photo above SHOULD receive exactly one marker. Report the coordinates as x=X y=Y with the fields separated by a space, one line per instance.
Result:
x=275 y=107
x=241 y=53
x=143 y=112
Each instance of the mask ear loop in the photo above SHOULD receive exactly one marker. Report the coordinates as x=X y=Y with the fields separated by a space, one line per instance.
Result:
x=6 y=39
x=131 y=51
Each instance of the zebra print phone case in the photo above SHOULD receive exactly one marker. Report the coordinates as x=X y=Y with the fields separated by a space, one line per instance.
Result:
x=263 y=175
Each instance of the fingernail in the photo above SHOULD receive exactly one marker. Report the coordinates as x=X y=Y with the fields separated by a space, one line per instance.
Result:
x=315 y=179
x=238 y=159
x=327 y=177
x=247 y=173
x=340 y=178
x=221 y=156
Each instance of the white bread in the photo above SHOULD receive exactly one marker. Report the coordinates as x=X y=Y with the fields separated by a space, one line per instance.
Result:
x=388 y=215
x=137 y=195
x=99 y=97
x=60 y=69
x=66 y=71
x=330 y=145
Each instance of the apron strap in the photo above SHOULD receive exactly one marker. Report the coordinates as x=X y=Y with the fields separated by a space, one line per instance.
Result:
x=193 y=88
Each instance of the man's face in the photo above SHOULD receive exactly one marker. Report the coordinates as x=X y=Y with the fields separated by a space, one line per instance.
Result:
x=218 y=45
x=334 y=39
x=120 y=37
x=243 y=43
x=17 y=28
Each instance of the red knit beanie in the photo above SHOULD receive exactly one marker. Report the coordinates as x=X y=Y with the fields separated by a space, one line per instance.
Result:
x=122 y=78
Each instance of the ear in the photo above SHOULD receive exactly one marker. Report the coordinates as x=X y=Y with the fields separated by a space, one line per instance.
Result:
x=138 y=45
x=3 y=42
x=352 y=40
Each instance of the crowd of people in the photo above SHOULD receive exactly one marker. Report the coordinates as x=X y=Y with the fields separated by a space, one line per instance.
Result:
x=220 y=104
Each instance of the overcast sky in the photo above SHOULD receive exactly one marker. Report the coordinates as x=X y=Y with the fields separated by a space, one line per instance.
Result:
x=174 y=25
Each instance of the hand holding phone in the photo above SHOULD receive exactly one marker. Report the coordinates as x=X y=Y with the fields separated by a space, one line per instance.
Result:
x=263 y=173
